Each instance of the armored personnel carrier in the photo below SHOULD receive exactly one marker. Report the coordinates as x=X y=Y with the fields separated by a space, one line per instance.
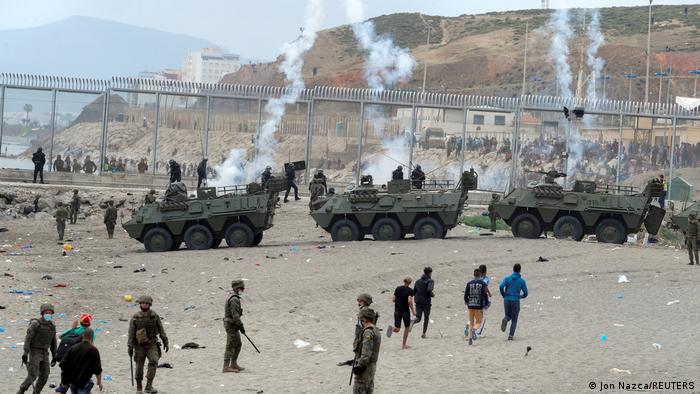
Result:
x=610 y=212
x=238 y=214
x=426 y=212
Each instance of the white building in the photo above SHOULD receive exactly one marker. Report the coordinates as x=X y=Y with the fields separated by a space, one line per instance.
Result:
x=209 y=65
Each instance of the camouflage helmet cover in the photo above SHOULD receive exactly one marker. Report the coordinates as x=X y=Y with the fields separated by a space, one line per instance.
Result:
x=46 y=307
x=366 y=313
x=237 y=284
x=366 y=298
x=146 y=300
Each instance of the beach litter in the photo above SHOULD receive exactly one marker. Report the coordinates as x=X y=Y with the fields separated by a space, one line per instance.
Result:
x=656 y=345
x=618 y=371
x=318 y=348
x=300 y=343
x=622 y=279
x=673 y=302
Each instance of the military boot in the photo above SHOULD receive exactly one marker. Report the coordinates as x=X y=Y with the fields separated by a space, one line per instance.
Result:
x=139 y=387
x=237 y=367
x=149 y=387
x=227 y=367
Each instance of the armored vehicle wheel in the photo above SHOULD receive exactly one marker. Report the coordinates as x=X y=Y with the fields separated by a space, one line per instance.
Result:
x=386 y=229
x=526 y=225
x=239 y=235
x=216 y=243
x=198 y=237
x=158 y=239
x=427 y=228
x=610 y=231
x=345 y=230
x=257 y=238
x=568 y=227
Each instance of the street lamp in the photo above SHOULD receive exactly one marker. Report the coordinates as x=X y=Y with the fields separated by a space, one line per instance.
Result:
x=661 y=75
x=646 y=84
x=630 y=76
x=695 y=72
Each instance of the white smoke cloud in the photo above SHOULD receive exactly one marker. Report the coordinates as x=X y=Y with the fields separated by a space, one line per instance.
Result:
x=595 y=63
x=266 y=142
x=385 y=66
x=559 y=50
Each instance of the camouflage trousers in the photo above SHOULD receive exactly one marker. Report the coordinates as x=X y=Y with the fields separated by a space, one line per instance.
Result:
x=364 y=383
x=233 y=344
x=61 y=228
x=493 y=222
x=38 y=369
x=692 y=244
x=73 y=216
x=110 y=229
x=141 y=353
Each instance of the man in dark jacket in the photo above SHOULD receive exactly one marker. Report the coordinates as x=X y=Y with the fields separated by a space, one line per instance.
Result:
x=80 y=363
x=417 y=178
x=397 y=175
x=58 y=164
x=476 y=298
x=422 y=296
x=513 y=288
x=290 y=173
x=266 y=176
x=89 y=166
x=175 y=172
x=202 y=173
x=39 y=159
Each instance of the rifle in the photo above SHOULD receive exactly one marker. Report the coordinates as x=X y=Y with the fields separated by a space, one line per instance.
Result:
x=251 y=342
x=352 y=366
x=131 y=362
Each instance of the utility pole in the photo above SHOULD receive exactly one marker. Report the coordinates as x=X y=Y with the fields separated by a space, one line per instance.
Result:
x=646 y=84
x=525 y=57
x=670 y=75
x=425 y=77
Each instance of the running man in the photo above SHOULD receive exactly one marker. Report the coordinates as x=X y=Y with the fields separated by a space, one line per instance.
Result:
x=475 y=297
x=486 y=279
x=513 y=288
x=423 y=293
x=403 y=307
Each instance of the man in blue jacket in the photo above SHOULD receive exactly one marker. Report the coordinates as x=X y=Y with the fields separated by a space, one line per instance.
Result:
x=513 y=288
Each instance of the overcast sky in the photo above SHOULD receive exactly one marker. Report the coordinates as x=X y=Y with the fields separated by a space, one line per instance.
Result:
x=254 y=28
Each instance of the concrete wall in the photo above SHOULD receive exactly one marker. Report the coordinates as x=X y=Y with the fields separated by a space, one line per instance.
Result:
x=120 y=180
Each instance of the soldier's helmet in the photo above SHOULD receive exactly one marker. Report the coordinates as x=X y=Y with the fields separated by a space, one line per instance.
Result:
x=399 y=168
x=75 y=191
x=366 y=313
x=46 y=307
x=237 y=284
x=418 y=167
x=268 y=168
x=171 y=161
x=366 y=298
x=320 y=171
x=146 y=300
x=153 y=191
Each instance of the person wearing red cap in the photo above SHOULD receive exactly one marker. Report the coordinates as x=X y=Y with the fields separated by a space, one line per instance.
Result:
x=71 y=338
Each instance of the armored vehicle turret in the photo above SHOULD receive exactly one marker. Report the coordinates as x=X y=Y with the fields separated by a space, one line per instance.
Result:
x=391 y=213
x=610 y=212
x=238 y=214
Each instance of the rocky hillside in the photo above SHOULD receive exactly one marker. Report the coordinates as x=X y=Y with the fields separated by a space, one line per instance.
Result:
x=483 y=54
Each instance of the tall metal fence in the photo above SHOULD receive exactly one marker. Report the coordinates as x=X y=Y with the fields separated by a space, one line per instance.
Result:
x=135 y=125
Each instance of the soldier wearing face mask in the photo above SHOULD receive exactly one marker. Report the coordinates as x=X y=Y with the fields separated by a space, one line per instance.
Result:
x=41 y=337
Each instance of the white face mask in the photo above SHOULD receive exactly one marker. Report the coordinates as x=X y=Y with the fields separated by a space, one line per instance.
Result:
x=48 y=316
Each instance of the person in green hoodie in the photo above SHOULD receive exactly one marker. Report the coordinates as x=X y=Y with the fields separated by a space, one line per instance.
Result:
x=512 y=288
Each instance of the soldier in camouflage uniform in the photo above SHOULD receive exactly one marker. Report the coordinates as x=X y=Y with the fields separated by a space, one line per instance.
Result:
x=144 y=328
x=364 y=300
x=110 y=218
x=41 y=337
x=61 y=216
x=234 y=328
x=150 y=198
x=366 y=365
x=492 y=211
x=74 y=207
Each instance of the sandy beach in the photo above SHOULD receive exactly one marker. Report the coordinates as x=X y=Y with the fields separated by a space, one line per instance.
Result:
x=300 y=285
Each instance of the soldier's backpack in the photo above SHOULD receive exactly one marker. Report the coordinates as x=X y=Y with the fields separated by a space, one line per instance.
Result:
x=67 y=342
